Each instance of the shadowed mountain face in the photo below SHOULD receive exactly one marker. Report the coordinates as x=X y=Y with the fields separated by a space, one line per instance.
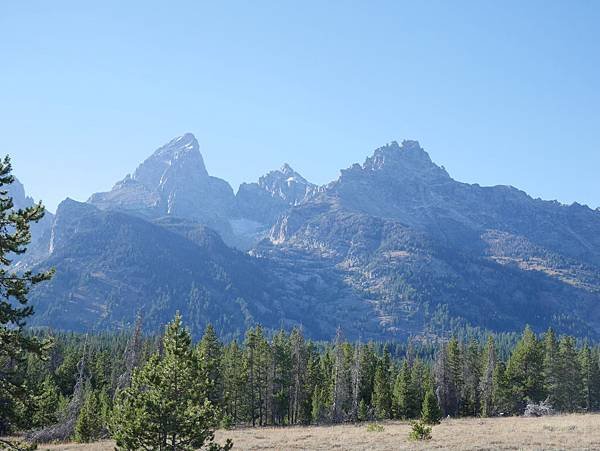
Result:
x=111 y=264
x=394 y=247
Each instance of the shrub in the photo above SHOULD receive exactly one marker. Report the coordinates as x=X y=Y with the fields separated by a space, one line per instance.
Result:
x=375 y=427
x=538 y=410
x=226 y=422
x=419 y=431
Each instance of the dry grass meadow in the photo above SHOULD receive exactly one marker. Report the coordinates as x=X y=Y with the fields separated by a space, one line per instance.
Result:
x=547 y=433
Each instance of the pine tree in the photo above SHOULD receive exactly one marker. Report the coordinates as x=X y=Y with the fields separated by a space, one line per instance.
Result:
x=299 y=370
x=368 y=365
x=594 y=380
x=524 y=373
x=233 y=382
x=382 y=399
x=166 y=406
x=209 y=355
x=340 y=379
x=486 y=385
x=356 y=382
x=15 y=235
x=363 y=411
x=585 y=363
x=319 y=405
x=281 y=411
x=46 y=404
x=455 y=365
x=502 y=395
x=430 y=412
x=551 y=367
x=471 y=378
x=442 y=380
x=88 y=427
x=420 y=383
x=105 y=404
x=570 y=394
x=401 y=396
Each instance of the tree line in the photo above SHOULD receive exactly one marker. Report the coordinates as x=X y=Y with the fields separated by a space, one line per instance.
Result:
x=285 y=379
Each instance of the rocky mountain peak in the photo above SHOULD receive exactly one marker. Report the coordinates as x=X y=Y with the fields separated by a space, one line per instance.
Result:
x=408 y=161
x=181 y=153
x=286 y=174
x=16 y=190
x=286 y=169
x=286 y=184
x=172 y=181
x=409 y=153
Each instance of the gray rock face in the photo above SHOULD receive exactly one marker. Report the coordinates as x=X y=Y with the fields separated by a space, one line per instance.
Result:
x=260 y=204
x=173 y=181
x=40 y=231
x=426 y=250
x=394 y=247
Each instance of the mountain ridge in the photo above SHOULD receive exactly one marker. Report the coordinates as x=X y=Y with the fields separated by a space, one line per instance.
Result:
x=393 y=247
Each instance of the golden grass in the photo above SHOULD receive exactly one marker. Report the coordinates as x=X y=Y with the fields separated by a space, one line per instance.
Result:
x=557 y=432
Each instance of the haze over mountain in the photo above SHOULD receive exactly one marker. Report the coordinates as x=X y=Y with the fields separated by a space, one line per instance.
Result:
x=393 y=247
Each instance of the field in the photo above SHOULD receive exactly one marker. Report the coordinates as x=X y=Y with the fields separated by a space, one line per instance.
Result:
x=558 y=432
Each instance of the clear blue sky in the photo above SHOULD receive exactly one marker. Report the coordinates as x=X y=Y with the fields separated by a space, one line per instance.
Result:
x=498 y=92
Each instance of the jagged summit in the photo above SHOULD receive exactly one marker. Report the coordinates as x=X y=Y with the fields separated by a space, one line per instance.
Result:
x=179 y=154
x=410 y=153
x=286 y=184
x=186 y=142
x=16 y=190
x=285 y=174
x=172 y=181
x=396 y=163
x=286 y=169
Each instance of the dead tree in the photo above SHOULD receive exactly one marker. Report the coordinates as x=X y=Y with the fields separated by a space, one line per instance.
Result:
x=131 y=355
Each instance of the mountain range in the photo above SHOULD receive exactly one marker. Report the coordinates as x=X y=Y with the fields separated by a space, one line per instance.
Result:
x=393 y=248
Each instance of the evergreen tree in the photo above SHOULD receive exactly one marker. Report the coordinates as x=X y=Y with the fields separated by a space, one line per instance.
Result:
x=88 y=427
x=340 y=379
x=456 y=370
x=368 y=365
x=471 y=378
x=486 y=385
x=552 y=367
x=420 y=383
x=46 y=404
x=166 y=406
x=233 y=382
x=524 y=373
x=299 y=395
x=570 y=394
x=443 y=390
x=281 y=379
x=430 y=412
x=319 y=405
x=585 y=363
x=382 y=400
x=594 y=380
x=363 y=411
x=209 y=355
x=401 y=398
x=15 y=235
x=502 y=396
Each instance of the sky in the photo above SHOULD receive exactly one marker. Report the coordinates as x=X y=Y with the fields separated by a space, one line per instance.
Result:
x=497 y=92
